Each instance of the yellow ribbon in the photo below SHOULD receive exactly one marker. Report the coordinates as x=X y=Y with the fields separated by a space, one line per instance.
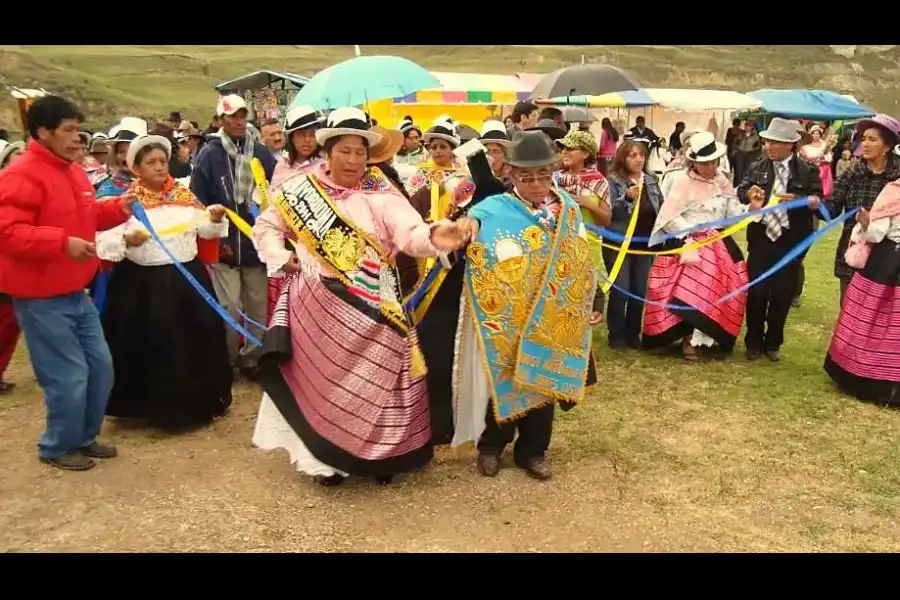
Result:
x=242 y=225
x=696 y=245
x=259 y=175
x=623 y=250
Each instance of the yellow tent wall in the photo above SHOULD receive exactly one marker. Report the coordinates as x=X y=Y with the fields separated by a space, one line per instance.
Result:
x=389 y=114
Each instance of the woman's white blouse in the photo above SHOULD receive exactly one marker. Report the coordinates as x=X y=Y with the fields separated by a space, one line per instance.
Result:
x=713 y=209
x=877 y=231
x=183 y=245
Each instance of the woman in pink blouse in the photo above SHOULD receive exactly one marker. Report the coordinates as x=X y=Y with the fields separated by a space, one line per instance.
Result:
x=303 y=153
x=344 y=378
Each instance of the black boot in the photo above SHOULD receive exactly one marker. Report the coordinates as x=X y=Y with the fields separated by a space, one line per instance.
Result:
x=330 y=481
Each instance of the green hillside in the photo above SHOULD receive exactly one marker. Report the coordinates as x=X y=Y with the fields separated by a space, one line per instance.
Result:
x=109 y=81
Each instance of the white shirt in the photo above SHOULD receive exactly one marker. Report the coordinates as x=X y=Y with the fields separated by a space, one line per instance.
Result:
x=183 y=245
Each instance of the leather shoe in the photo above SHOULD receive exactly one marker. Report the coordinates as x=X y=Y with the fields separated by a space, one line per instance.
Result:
x=488 y=464
x=536 y=468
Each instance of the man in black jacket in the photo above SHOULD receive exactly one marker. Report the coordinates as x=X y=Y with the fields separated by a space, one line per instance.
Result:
x=222 y=176
x=781 y=172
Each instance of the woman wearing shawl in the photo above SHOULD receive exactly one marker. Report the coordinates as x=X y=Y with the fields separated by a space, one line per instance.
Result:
x=9 y=326
x=818 y=153
x=303 y=154
x=120 y=176
x=587 y=186
x=118 y=181
x=860 y=184
x=167 y=343
x=696 y=280
x=343 y=375
x=437 y=314
x=443 y=171
x=412 y=154
x=863 y=356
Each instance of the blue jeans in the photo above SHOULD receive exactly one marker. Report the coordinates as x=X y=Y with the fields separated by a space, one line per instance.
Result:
x=625 y=316
x=73 y=366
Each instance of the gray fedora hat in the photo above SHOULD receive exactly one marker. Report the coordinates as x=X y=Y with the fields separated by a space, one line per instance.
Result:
x=530 y=149
x=782 y=130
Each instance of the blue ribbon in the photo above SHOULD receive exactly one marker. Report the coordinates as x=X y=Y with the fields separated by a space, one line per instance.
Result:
x=98 y=290
x=422 y=290
x=785 y=261
x=141 y=215
x=615 y=236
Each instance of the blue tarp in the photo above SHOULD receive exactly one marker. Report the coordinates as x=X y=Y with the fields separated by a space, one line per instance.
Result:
x=810 y=104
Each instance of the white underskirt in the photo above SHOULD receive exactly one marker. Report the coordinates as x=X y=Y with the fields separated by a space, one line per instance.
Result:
x=471 y=388
x=700 y=339
x=272 y=432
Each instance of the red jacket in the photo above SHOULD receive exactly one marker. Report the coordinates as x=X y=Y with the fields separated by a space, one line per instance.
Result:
x=45 y=200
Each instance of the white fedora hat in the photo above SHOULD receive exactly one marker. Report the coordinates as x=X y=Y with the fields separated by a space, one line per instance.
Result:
x=142 y=142
x=128 y=129
x=494 y=132
x=703 y=147
x=347 y=121
x=301 y=117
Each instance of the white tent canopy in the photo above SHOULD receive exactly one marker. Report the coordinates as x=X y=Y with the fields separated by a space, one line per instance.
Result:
x=702 y=100
x=707 y=110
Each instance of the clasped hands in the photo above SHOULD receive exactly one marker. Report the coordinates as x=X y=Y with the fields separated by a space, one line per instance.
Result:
x=757 y=197
x=448 y=236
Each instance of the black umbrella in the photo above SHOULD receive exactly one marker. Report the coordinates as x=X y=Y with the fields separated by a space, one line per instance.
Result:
x=589 y=80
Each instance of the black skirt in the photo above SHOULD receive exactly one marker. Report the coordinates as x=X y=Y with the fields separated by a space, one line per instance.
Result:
x=168 y=347
x=437 y=338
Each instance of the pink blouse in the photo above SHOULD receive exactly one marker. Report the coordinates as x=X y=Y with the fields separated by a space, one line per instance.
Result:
x=383 y=214
x=284 y=169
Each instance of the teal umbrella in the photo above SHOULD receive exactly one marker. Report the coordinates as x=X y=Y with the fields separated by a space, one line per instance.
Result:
x=364 y=79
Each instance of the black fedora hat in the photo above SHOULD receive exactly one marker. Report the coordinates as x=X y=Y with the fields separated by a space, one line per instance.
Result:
x=530 y=149
x=549 y=127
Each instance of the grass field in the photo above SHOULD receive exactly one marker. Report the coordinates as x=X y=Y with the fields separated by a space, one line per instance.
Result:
x=112 y=81
x=665 y=456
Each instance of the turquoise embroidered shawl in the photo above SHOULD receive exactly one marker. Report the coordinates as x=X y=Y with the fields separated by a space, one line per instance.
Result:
x=530 y=286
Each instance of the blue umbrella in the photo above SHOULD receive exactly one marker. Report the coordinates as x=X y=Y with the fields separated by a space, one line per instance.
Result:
x=364 y=79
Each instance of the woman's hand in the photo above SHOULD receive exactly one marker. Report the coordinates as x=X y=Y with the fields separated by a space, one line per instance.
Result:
x=447 y=237
x=216 y=213
x=292 y=265
x=862 y=217
x=756 y=194
x=757 y=203
x=136 y=238
x=633 y=192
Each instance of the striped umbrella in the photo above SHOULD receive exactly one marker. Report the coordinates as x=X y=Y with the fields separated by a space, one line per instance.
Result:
x=471 y=88
x=626 y=99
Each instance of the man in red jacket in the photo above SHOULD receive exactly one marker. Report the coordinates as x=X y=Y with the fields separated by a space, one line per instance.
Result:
x=48 y=220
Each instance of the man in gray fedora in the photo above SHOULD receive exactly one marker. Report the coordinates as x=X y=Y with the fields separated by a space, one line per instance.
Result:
x=780 y=172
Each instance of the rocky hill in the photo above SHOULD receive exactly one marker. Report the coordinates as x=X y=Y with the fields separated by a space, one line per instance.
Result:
x=109 y=81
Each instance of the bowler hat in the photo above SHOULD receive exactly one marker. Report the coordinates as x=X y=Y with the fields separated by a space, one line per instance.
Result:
x=530 y=149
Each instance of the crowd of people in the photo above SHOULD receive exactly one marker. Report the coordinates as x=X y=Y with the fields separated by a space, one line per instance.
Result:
x=330 y=260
